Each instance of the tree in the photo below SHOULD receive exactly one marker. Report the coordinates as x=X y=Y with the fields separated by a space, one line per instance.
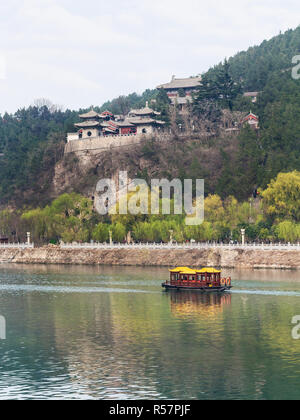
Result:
x=37 y=223
x=142 y=232
x=162 y=105
x=202 y=233
x=101 y=233
x=44 y=102
x=219 y=88
x=207 y=115
x=288 y=231
x=281 y=199
x=68 y=218
x=226 y=88
x=214 y=210
x=231 y=212
x=119 y=232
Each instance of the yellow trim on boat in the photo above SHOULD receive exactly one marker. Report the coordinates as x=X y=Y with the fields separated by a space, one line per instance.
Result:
x=180 y=269
x=187 y=270
x=209 y=271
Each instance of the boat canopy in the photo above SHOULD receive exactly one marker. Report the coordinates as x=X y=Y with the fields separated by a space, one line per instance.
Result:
x=187 y=270
x=209 y=271
x=181 y=269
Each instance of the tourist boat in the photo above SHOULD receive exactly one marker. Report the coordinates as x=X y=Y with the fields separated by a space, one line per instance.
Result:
x=204 y=280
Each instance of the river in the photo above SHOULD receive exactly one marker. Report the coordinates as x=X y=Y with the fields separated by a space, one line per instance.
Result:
x=74 y=332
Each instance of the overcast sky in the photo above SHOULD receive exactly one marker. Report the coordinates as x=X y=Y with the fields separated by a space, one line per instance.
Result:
x=78 y=53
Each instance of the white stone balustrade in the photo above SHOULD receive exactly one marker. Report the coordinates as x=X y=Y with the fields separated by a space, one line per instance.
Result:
x=22 y=246
x=275 y=246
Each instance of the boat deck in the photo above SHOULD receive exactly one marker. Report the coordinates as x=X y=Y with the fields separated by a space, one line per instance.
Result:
x=195 y=288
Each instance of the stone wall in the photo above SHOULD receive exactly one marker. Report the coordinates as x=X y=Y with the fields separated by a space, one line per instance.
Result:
x=217 y=257
x=98 y=144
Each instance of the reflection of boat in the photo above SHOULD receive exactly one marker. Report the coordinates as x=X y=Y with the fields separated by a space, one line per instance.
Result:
x=205 y=280
x=206 y=305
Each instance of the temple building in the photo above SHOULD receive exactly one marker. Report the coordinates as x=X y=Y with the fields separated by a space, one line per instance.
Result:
x=181 y=88
x=139 y=121
x=144 y=112
x=91 y=124
x=252 y=95
x=145 y=120
x=180 y=92
x=252 y=120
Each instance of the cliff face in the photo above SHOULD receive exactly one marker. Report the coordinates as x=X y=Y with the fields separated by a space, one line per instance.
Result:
x=153 y=158
x=224 y=258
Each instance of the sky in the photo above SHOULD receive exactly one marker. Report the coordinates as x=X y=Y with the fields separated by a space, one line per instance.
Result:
x=80 y=53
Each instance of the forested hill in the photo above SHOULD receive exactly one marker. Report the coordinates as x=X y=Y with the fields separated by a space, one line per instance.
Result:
x=32 y=139
x=254 y=67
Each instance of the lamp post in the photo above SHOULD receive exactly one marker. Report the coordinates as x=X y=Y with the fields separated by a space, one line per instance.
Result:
x=250 y=216
x=243 y=231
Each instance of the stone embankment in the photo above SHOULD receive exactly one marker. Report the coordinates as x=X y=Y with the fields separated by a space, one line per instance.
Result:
x=101 y=144
x=217 y=257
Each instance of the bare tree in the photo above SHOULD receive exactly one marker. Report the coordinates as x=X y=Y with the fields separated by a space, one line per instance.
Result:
x=44 y=102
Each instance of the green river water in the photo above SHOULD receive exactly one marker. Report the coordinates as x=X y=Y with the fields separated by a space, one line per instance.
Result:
x=113 y=333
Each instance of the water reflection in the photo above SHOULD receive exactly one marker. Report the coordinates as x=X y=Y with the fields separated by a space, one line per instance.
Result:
x=2 y=328
x=64 y=340
x=199 y=305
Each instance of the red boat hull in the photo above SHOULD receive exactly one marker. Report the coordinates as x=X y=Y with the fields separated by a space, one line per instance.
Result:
x=199 y=289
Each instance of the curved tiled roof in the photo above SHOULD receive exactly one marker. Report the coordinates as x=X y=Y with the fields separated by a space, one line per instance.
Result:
x=125 y=123
x=142 y=121
x=87 y=124
x=144 y=111
x=90 y=114
x=191 y=82
x=251 y=94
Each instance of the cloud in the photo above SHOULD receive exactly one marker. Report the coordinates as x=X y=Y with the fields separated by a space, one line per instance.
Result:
x=3 y=66
x=54 y=23
x=49 y=70
x=82 y=53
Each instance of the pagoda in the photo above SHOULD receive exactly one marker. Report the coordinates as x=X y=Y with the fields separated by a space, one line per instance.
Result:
x=95 y=125
x=90 y=125
x=145 y=120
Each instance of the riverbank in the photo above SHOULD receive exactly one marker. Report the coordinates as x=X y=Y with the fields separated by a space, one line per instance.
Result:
x=217 y=257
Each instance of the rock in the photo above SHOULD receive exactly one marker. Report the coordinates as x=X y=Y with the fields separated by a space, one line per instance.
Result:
x=218 y=257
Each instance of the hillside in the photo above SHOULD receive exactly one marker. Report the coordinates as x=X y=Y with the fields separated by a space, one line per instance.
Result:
x=182 y=158
x=255 y=66
x=32 y=140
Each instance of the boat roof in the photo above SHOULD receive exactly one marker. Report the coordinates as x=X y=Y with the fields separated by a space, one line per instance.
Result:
x=182 y=270
x=187 y=270
x=209 y=270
